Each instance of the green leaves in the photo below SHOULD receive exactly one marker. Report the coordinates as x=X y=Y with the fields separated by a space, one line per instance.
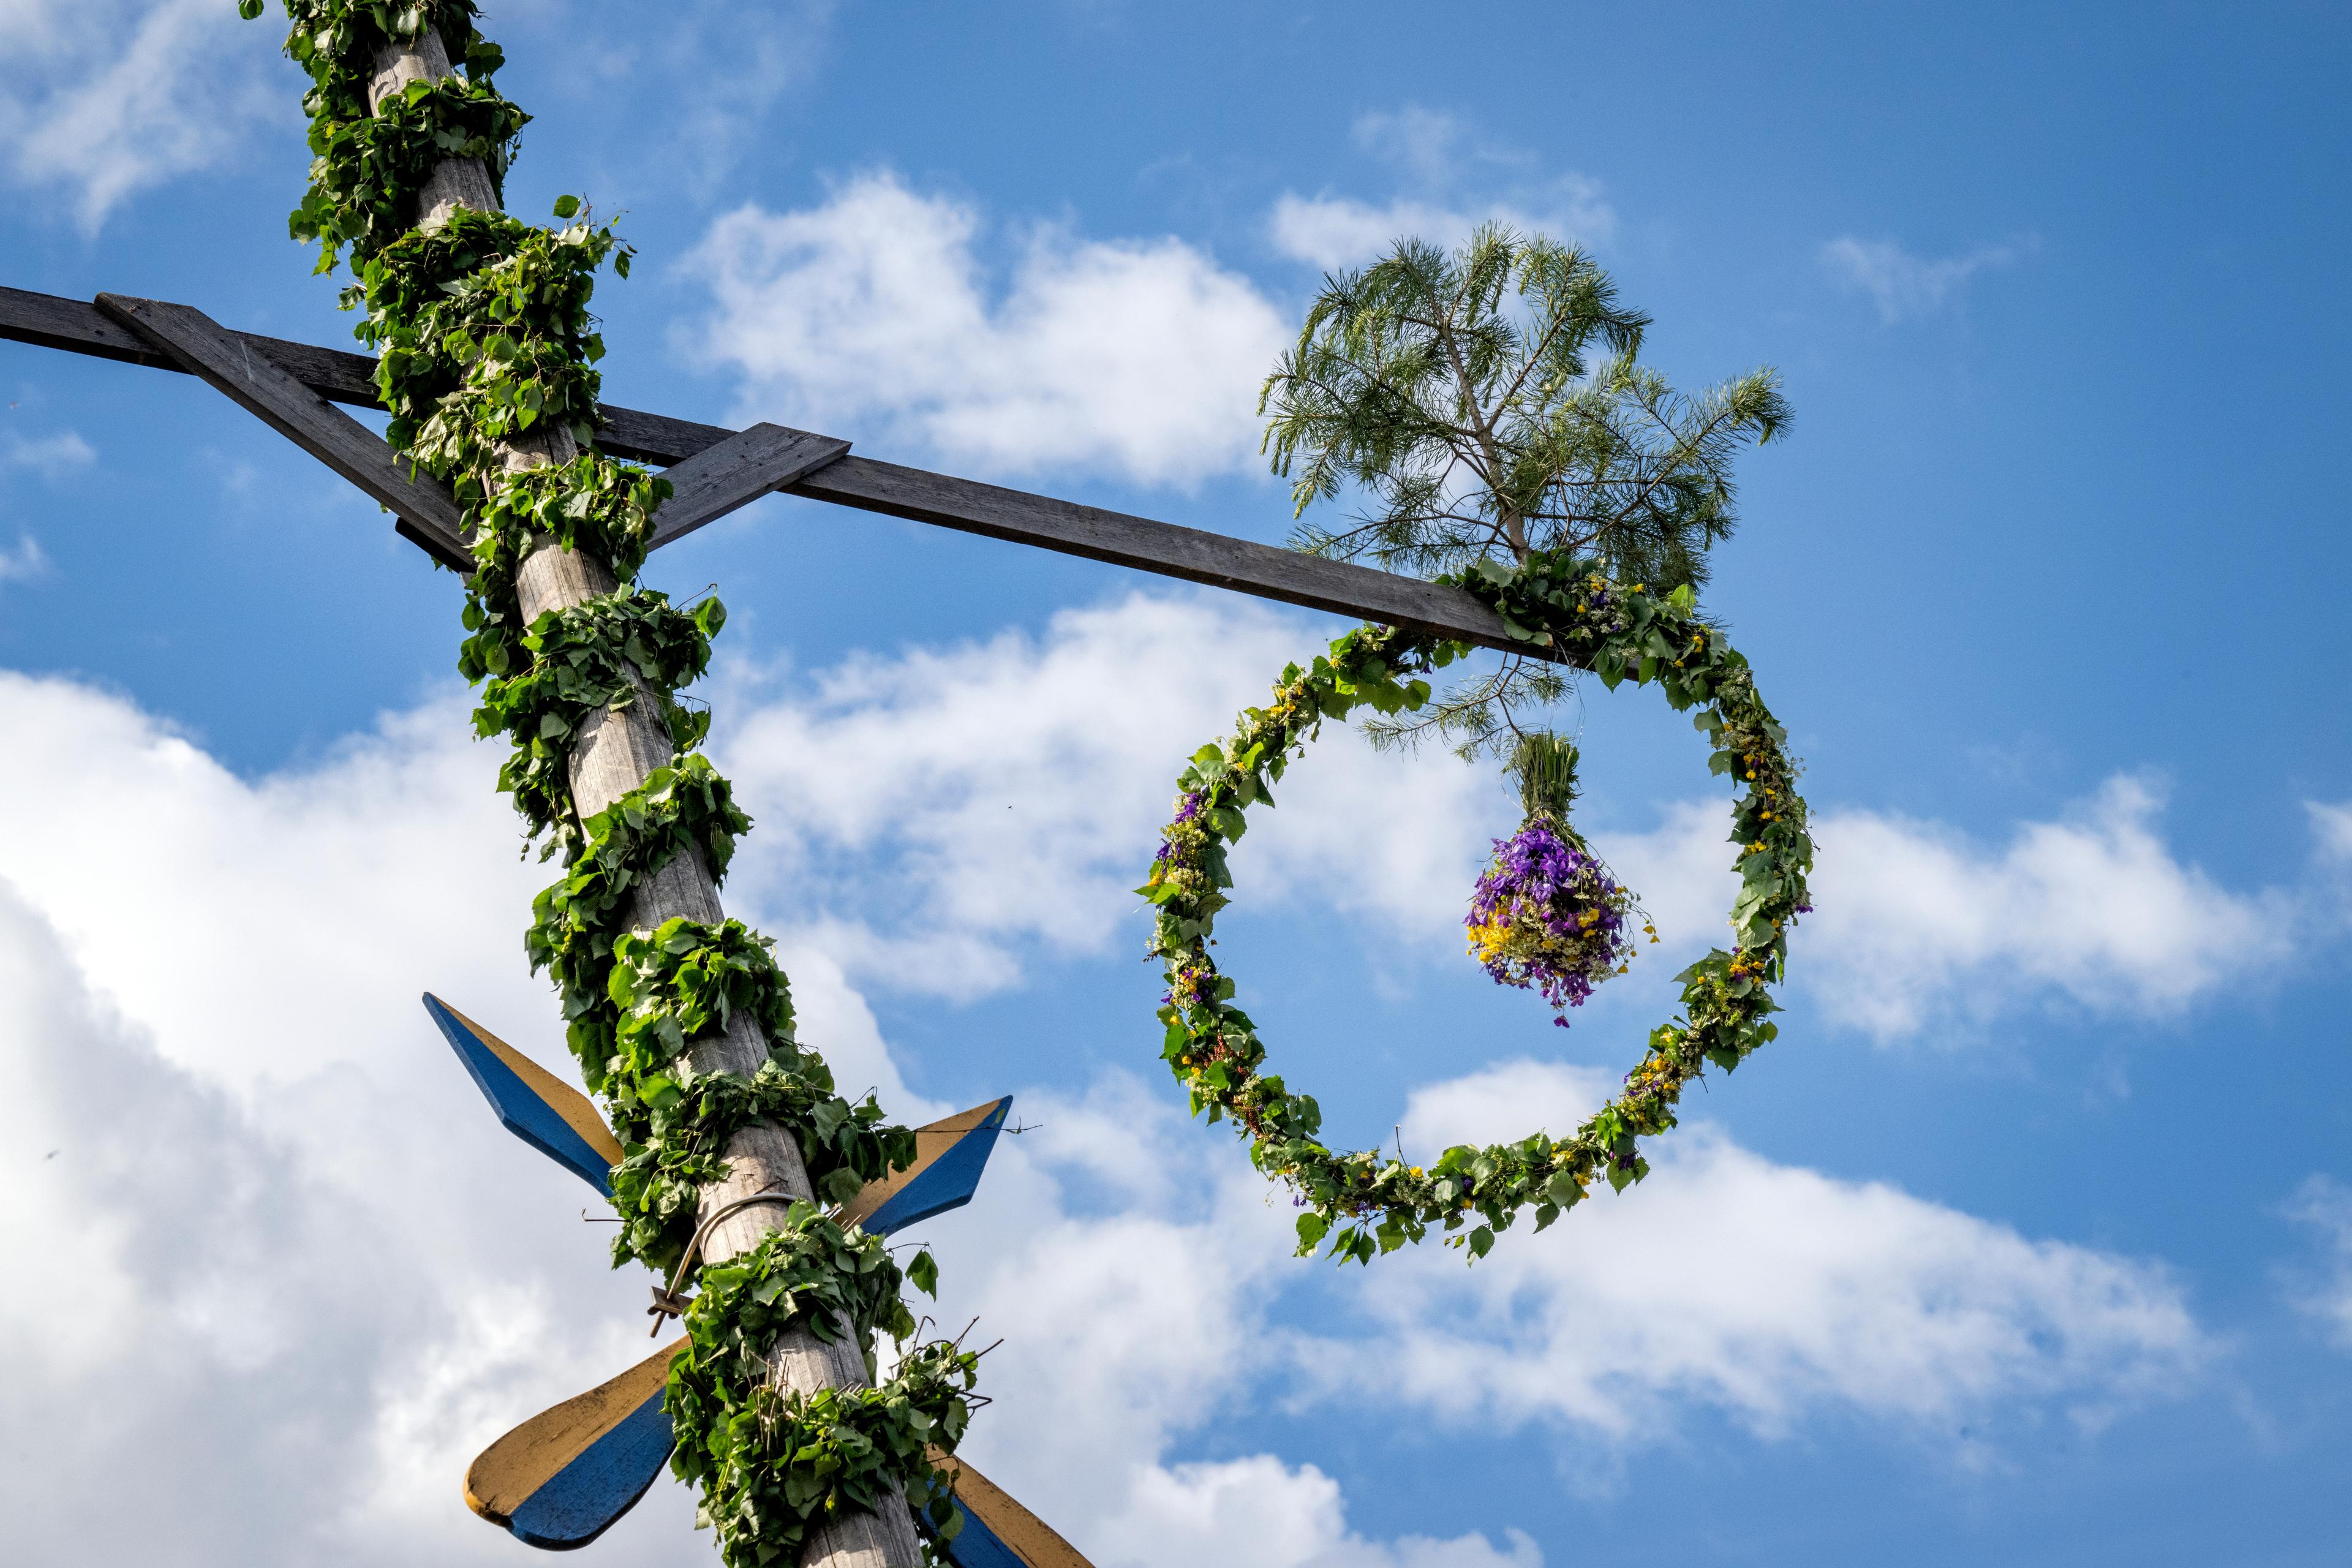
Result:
x=548 y=681
x=1360 y=1204
x=773 y=1465
x=366 y=169
x=486 y=349
x=1488 y=405
x=676 y=1137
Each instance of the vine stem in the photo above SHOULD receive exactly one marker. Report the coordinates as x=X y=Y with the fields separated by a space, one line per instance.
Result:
x=617 y=748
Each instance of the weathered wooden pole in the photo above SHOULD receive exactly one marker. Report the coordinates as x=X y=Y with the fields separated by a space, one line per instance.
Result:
x=617 y=748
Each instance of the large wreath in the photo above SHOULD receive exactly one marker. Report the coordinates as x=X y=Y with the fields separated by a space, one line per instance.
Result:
x=1363 y=1201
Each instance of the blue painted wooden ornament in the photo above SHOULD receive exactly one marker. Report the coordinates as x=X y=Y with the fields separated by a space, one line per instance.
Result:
x=536 y=1106
x=998 y=1533
x=560 y=1479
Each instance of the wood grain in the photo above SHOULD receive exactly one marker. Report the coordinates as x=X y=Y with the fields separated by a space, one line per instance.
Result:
x=735 y=472
x=1122 y=539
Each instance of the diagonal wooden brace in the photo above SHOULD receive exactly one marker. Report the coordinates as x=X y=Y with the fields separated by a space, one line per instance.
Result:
x=738 y=470
x=428 y=514
x=1190 y=554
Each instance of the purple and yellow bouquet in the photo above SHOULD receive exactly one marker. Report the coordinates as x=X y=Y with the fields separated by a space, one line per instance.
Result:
x=1546 y=915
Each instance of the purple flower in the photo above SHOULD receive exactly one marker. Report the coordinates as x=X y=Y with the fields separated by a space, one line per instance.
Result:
x=1548 y=916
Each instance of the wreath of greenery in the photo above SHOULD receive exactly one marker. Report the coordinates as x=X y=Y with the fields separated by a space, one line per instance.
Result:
x=485 y=341
x=1362 y=1202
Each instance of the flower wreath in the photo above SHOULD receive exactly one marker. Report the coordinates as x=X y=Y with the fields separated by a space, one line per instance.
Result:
x=1526 y=920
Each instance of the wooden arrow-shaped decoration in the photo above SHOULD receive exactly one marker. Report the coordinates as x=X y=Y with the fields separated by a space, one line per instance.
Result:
x=535 y=1105
x=560 y=1478
x=998 y=1533
x=564 y=1124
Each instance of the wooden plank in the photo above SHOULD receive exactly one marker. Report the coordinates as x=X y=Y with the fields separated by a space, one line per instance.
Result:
x=51 y=322
x=737 y=471
x=1191 y=553
x=654 y=438
x=949 y=1155
x=257 y=384
x=998 y=1533
x=77 y=326
x=1120 y=539
x=532 y=1102
x=564 y=1124
x=560 y=1478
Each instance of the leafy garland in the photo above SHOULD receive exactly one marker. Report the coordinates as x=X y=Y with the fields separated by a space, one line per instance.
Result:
x=486 y=343
x=1362 y=1201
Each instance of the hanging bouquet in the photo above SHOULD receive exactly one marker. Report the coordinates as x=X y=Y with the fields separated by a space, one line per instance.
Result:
x=1546 y=914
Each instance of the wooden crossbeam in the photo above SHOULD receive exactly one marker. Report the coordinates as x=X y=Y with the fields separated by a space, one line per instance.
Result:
x=256 y=383
x=735 y=472
x=1120 y=539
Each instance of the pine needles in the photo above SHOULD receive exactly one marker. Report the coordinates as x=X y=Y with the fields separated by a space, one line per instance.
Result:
x=1489 y=402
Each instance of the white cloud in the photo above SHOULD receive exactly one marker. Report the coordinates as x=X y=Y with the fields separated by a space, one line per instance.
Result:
x=2324 y=1206
x=255 y=1300
x=1261 y=1514
x=308 y=1266
x=25 y=560
x=1769 y=1292
x=2331 y=832
x=1917 y=922
x=48 y=455
x=726 y=69
x=1333 y=232
x=873 y=315
x=1905 y=285
x=415 y=794
x=1010 y=791
x=2331 y=824
x=983 y=796
x=1438 y=158
x=106 y=98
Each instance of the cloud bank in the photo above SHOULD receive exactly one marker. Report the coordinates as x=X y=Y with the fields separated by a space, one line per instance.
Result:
x=988 y=795
x=2323 y=1206
x=876 y=312
x=310 y=1266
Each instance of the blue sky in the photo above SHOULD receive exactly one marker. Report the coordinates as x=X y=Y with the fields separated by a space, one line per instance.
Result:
x=2031 y=1239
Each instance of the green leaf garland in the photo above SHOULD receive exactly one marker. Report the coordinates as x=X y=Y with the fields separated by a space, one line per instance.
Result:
x=485 y=344
x=1361 y=1203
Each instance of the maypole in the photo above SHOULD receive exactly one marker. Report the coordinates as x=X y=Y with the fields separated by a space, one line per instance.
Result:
x=680 y=1018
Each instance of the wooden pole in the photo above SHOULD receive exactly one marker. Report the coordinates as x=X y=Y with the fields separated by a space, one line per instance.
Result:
x=617 y=750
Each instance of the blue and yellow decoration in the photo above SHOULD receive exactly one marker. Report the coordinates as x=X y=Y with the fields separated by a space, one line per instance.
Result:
x=997 y=1532
x=948 y=1157
x=536 y=1106
x=560 y=1479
